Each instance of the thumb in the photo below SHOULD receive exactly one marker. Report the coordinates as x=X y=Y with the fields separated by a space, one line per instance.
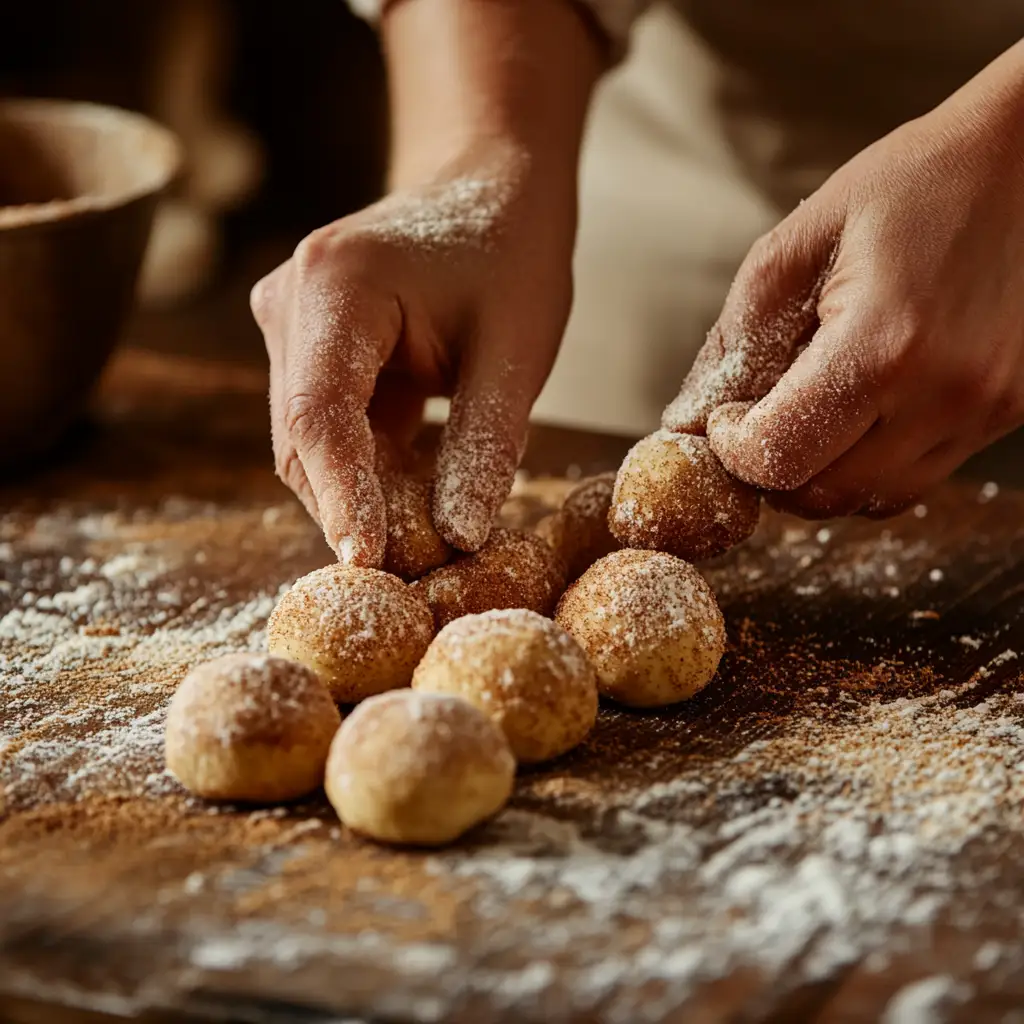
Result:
x=482 y=445
x=771 y=309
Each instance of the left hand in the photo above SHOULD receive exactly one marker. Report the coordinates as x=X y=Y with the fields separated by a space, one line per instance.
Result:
x=875 y=339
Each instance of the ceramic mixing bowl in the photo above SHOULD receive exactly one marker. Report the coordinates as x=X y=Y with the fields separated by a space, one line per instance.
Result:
x=78 y=187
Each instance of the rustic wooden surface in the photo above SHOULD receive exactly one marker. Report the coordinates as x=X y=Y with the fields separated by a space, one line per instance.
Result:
x=589 y=900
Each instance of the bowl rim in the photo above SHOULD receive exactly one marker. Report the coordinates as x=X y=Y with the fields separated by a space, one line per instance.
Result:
x=168 y=165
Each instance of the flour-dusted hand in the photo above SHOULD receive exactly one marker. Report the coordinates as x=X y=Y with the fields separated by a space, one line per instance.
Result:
x=457 y=283
x=875 y=339
x=430 y=291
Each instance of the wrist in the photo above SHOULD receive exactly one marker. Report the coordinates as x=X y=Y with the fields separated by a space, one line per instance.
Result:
x=495 y=83
x=499 y=158
x=991 y=105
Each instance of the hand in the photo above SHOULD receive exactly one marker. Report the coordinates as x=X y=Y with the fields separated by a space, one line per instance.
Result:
x=875 y=339
x=463 y=286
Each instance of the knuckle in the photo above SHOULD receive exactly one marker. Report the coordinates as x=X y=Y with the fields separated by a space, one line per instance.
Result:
x=261 y=301
x=760 y=268
x=304 y=418
x=286 y=465
x=313 y=251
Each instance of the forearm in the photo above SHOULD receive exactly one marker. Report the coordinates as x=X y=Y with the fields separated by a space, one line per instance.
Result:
x=467 y=75
x=990 y=106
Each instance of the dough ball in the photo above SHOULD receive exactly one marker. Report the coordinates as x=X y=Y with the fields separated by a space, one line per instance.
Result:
x=523 y=671
x=362 y=631
x=250 y=727
x=649 y=624
x=673 y=495
x=414 y=546
x=579 y=532
x=513 y=569
x=418 y=768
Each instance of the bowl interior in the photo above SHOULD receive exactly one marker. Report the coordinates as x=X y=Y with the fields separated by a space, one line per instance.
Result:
x=54 y=152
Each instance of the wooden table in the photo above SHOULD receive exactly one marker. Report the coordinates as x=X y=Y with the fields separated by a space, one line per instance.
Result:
x=831 y=831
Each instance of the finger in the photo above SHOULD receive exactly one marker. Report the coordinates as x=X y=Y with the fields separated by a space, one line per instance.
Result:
x=1007 y=413
x=908 y=487
x=289 y=470
x=264 y=300
x=824 y=403
x=325 y=415
x=876 y=465
x=265 y=297
x=481 y=446
x=769 y=312
x=891 y=493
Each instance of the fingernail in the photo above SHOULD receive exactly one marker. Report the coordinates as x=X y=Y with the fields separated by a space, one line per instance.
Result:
x=346 y=550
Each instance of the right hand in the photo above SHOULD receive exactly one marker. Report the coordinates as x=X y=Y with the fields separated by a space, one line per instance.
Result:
x=461 y=287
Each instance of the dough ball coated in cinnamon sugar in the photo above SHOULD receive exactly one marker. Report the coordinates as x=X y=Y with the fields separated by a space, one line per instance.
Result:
x=418 y=768
x=250 y=728
x=414 y=546
x=673 y=495
x=523 y=671
x=578 y=531
x=362 y=631
x=649 y=624
x=513 y=569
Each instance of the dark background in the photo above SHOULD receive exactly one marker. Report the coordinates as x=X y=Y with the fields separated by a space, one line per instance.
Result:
x=305 y=75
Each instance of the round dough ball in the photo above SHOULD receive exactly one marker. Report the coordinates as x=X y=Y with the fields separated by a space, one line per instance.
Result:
x=579 y=532
x=418 y=768
x=362 y=631
x=250 y=727
x=527 y=674
x=673 y=495
x=513 y=569
x=414 y=546
x=649 y=624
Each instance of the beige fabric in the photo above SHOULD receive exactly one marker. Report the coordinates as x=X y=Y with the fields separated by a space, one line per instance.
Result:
x=615 y=17
x=726 y=114
x=664 y=220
